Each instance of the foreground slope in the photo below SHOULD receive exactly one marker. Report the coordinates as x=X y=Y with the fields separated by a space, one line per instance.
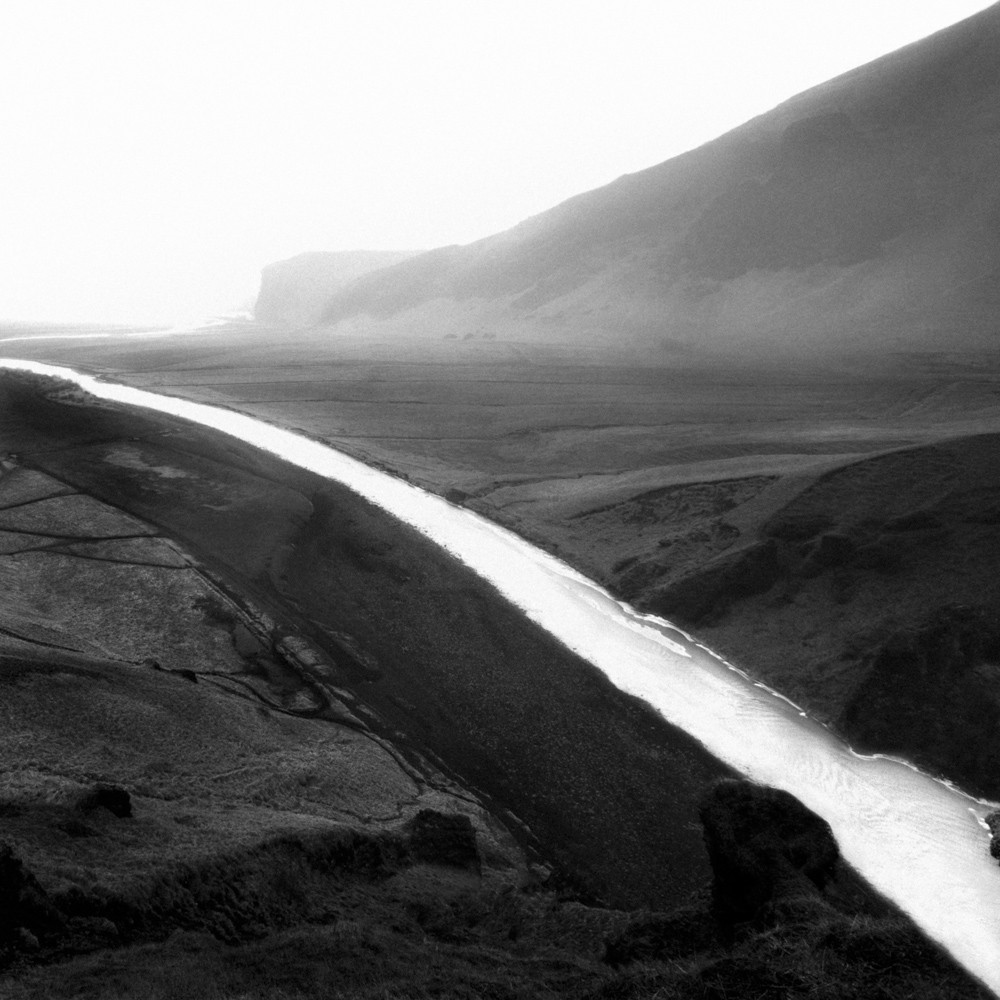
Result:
x=438 y=661
x=862 y=214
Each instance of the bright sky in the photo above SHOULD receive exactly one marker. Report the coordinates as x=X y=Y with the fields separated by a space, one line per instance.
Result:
x=157 y=153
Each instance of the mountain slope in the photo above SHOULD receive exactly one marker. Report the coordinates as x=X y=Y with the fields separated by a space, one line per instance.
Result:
x=864 y=212
x=295 y=292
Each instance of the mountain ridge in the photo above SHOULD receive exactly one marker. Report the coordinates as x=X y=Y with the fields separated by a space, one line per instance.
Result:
x=861 y=213
x=296 y=290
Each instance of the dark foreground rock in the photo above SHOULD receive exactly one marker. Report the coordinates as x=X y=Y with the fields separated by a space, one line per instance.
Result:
x=767 y=850
x=115 y=799
x=993 y=822
x=784 y=919
x=443 y=839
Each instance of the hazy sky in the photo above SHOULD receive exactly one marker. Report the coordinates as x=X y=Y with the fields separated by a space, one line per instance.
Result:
x=157 y=153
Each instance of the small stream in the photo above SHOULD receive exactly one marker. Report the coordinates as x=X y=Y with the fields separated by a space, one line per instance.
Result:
x=918 y=840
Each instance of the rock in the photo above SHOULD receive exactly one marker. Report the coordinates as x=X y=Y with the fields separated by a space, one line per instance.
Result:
x=993 y=822
x=115 y=799
x=443 y=839
x=765 y=848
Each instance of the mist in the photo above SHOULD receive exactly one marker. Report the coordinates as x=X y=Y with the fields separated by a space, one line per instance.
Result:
x=159 y=155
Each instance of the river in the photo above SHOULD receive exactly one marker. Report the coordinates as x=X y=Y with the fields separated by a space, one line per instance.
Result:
x=918 y=840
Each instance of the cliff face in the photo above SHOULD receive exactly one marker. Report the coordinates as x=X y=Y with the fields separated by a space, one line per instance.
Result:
x=863 y=212
x=295 y=292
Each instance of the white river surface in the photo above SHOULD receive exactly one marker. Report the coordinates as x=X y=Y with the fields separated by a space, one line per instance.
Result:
x=918 y=840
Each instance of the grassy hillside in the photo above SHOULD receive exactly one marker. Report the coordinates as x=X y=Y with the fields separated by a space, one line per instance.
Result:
x=436 y=662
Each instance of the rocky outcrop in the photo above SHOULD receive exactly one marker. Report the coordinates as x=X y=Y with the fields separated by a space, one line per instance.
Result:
x=771 y=860
x=295 y=292
x=440 y=838
x=767 y=850
x=993 y=822
x=113 y=798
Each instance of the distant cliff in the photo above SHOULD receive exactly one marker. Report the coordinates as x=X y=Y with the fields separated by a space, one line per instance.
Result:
x=296 y=292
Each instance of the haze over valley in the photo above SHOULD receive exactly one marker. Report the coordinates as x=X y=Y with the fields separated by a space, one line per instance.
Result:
x=261 y=735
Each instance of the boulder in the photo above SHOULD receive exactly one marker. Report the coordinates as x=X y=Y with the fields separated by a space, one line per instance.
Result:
x=766 y=849
x=444 y=839
x=114 y=798
x=993 y=822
